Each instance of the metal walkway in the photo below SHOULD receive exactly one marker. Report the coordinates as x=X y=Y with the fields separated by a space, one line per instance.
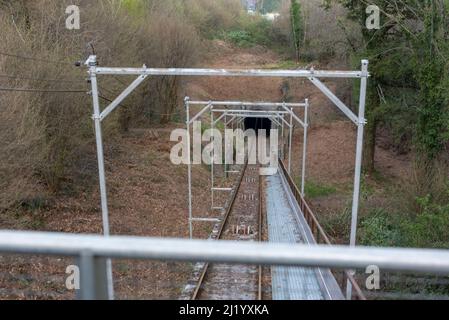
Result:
x=286 y=224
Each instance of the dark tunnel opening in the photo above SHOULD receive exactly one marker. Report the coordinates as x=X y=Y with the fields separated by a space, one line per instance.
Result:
x=258 y=124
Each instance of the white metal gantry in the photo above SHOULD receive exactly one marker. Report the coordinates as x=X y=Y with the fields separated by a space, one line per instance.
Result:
x=237 y=111
x=143 y=73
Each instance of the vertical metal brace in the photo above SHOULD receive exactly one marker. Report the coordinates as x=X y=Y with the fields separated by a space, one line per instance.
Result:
x=94 y=280
x=304 y=155
x=283 y=139
x=101 y=169
x=290 y=142
x=189 y=164
x=226 y=166
x=358 y=163
x=212 y=169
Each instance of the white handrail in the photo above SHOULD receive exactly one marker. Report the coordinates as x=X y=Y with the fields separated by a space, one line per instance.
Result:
x=183 y=250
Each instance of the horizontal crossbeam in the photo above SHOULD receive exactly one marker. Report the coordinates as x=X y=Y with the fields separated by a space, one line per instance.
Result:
x=248 y=104
x=227 y=72
x=233 y=111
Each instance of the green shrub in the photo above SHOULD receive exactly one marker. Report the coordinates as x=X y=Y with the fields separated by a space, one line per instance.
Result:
x=425 y=230
x=255 y=30
x=260 y=30
x=430 y=228
x=378 y=229
x=240 y=38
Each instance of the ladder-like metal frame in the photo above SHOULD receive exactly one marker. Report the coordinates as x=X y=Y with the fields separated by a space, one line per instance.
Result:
x=238 y=112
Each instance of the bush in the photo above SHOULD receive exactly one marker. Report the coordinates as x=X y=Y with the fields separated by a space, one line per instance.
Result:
x=255 y=30
x=326 y=34
x=378 y=229
x=45 y=134
x=212 y=18
x=240 y=38
x=41 y=132
x=424 y=230
x=428 y=229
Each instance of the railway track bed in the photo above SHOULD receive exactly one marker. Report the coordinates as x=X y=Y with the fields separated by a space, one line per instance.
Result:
x=242 y=222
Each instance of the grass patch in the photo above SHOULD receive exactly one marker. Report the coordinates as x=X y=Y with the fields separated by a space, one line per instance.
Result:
x=316 y=190
x=337 y=225
x=284 y=65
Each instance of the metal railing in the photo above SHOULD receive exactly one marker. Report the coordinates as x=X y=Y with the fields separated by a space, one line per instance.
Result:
x=316 y=228
x=92 y=252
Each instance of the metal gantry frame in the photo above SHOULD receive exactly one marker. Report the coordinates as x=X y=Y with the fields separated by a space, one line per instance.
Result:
x=142 y=73
x=238 y=112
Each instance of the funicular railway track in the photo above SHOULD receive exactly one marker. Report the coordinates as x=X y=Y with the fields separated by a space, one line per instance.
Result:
x=243 y=221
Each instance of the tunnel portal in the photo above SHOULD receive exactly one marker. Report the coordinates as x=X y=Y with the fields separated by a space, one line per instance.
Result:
x=258 y=124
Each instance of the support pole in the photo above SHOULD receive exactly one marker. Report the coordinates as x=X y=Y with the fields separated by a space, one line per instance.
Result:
x=212 y=169
x=283 y=139
x=358 y=163
x=189 y=164
x=226 y=166
x=94 y=283
x=304 y=153
x=101 y=169
x=290 y=143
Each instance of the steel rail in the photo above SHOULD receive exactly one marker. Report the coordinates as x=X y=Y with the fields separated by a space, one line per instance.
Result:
x=220 y=232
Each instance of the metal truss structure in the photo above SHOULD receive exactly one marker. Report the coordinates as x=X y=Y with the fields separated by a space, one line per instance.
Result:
x=232 y=113
x=143 y=73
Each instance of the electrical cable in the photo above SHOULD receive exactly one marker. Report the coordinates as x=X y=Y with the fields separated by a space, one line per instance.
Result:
x=41 y=79
x=34 y=59
x=41 y=90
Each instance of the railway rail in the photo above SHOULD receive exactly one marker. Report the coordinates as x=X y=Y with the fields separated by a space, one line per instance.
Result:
x=243 y=221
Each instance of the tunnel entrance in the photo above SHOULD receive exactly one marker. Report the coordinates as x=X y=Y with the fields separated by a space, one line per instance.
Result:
x=258 y=124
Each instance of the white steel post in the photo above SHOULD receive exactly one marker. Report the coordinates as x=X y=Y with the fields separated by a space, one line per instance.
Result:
x=283 y=139
x=189 y=165
x=212 y=173
x=101 y=169
x=358 y=163
x=290 y=143
x=226 y=167
x=304 y=154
